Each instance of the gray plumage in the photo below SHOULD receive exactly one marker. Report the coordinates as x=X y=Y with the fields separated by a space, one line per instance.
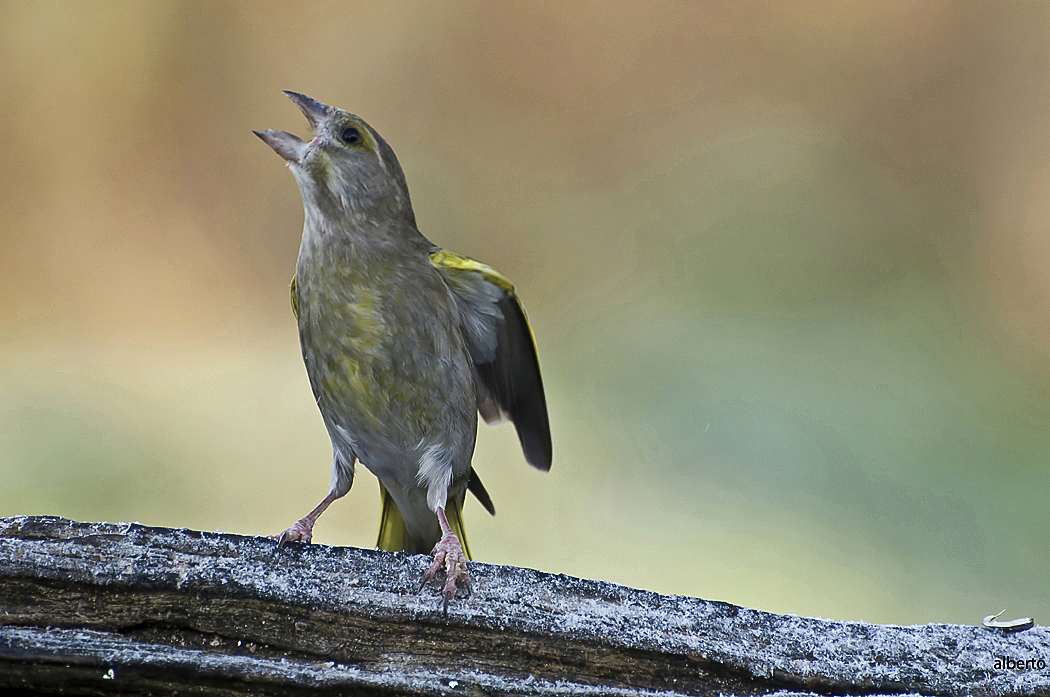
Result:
x=403 y=342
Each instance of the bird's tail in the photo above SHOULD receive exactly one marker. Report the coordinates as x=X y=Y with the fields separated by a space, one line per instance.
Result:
x=393 y=534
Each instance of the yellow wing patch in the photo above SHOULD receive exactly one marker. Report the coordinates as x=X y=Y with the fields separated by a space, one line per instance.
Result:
x=295 y=300
x=458 y=262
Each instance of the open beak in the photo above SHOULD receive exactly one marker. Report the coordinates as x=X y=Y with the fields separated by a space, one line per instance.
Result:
x=291 y=147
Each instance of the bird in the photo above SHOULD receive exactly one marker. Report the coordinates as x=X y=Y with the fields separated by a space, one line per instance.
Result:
x=404 y=344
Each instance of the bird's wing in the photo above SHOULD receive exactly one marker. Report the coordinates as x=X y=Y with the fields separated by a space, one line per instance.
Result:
x=503 y=350
x=295 y=300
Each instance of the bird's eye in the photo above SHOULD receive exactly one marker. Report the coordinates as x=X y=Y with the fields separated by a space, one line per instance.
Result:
x=351 y=136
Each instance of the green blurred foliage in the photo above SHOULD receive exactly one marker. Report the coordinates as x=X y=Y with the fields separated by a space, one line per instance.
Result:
x=787 y=265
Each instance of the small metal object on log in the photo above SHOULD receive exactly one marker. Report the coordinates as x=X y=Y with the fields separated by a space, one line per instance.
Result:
x=1018 y=625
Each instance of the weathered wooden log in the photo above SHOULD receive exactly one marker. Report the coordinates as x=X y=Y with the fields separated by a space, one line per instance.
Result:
x=99 y=608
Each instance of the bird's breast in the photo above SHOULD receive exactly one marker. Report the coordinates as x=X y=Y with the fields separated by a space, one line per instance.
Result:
x=381 y=346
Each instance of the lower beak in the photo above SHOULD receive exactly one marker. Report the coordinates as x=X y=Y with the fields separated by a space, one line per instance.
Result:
x=288 y=146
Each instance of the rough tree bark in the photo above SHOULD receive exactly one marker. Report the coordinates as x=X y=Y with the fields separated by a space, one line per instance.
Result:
x=99 y=608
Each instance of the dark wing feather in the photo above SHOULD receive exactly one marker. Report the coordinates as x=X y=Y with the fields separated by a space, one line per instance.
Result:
x=512 y=380
x=475 y=487
x=502 y=347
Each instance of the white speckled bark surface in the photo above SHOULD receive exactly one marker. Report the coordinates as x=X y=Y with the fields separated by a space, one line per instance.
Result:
x=127 y=609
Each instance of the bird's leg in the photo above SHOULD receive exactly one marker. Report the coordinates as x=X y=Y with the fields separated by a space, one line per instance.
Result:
x=448 y=552
x=303 y=529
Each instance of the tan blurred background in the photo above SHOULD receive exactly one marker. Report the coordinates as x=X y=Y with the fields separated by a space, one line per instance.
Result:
x=788 y=266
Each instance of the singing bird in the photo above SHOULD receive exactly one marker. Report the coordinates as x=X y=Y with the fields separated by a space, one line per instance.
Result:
x=404 y=343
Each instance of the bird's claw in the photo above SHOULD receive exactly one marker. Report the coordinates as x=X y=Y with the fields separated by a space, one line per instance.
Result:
x=301 y=531
x=448 y=553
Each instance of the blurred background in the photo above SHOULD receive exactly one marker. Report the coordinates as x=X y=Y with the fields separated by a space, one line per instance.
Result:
x=788 y=267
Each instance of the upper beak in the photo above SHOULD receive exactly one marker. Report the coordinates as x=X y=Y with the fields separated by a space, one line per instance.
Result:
x=289 y=146
x=314 y=111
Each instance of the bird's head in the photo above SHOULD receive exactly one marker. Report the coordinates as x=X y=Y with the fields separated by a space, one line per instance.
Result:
x=347 y=169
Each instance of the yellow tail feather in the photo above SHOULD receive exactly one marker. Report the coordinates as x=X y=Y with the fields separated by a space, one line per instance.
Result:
x=394 y=537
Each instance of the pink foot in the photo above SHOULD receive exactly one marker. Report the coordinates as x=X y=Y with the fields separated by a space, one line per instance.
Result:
x=448 y=552
x=302 y=531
